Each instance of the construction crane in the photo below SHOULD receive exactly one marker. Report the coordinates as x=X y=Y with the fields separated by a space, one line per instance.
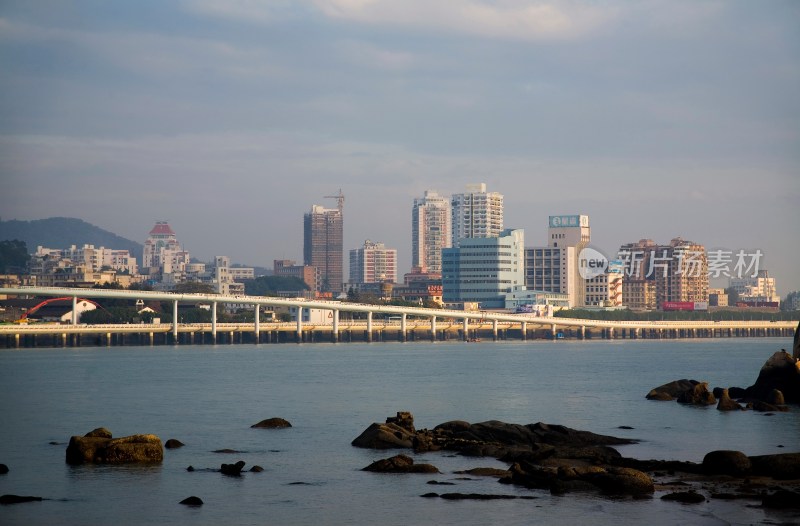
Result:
x=339 y=199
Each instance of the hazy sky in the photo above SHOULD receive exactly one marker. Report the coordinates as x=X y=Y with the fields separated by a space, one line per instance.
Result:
x=230 y=119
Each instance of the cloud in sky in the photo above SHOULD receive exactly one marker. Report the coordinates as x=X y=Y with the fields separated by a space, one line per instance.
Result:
x=658 y=118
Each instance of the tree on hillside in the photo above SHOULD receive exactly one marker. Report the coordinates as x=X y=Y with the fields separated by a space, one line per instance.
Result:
x=270 y=285
x=14 y=256
x=194 y=288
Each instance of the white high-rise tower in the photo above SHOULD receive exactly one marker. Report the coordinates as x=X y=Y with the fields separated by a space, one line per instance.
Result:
x=430 y=232
x=477 y=213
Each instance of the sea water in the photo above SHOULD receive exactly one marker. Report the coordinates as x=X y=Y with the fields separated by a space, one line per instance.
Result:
x=209 y=396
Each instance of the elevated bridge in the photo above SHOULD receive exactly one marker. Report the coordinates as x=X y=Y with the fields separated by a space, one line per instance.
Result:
x=406 y=323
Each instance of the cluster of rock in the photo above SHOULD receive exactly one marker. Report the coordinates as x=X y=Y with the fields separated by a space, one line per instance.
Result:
x=778 y=384
x=564 y=460
x=99 y=447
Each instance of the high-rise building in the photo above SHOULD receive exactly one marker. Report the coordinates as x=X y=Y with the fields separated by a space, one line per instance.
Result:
x=163 y=254
x=484 y=270
x=476 y=214
x=755 y=289
x=555 y=268
x=373 y=263
x=323 y=237
x=431 y=231
x=677 y=273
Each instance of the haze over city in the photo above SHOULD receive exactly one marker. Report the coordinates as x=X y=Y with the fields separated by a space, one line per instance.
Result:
x=231 y=119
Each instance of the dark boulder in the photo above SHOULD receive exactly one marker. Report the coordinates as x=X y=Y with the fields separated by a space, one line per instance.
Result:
x=99 y=450
x=796 y=343
x=671 y=390
x=272 y=423
x=622 y=481
x=724 y=462
x=232 y=470
x=18 y=499
x=781 y=372
x=685 y=497
x=3 y=469
x=783 y=466
x=725 y=402
x=736 y=392
x=256 y=469
x=776 y=398
x=384 y=436
x=173 y=444
x=470 y=496
x=403 y=419
x=698 y=395
x=400 y=464
x=782 y=499
x=100 y=432
x=192 y=501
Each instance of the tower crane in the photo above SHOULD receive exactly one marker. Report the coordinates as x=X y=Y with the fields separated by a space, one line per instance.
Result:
x=339 y=199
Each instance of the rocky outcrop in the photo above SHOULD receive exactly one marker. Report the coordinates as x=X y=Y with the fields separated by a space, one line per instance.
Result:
x=796 y=344
x=724 y=462
x=106 y=450
x=698 y=395
x=173 y=444
x=725 y=402
x=192 y=501
x=232 y=470
x=18 y=499
x=782 y=500
x=100 y=432
x=783 y=466
x=272 y=423
x=671 y=390
x=400 y=464
x=781 y=372
x=384 y=436
x=3 y=469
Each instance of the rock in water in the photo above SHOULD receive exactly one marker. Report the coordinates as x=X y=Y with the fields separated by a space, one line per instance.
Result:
x=192 y=501
x=100 y=450
x=686 y=497
x=18 y=499
x=232 y=470
x=726 y=403
x=796 y=345
x=100 y=432
x=724 y=462
x=699 y=395
x=400 y=464
x=782 y=466
x=672 y=390
x=384 y=436
x=173 y=444
x=3 y=469
x=272 y=423
x=781 y=372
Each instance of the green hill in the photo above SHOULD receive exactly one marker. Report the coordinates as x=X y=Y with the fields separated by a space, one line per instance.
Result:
x=62 y=232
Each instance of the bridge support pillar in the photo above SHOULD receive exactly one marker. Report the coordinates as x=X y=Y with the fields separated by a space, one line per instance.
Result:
x=16 y=340
x=213 y=322
x=151 y=339
x=63 y=339
x=257 y=323
x=583 y=332
x=636 y=334
x=403 y=327
x=611 y=333
x=524 y=329
x=299 y=324
x=433 y=328
x=335 y=334
x=369 y=326
x=74 y=310
x=494 y=330
x=465 y=329
x=108 y=339
x=553 y=331
x=175 y=322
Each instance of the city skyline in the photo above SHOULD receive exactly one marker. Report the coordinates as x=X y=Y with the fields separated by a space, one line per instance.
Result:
x=657 y=120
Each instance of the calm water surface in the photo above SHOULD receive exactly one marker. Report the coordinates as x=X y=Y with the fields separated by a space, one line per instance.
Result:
x=209 y=396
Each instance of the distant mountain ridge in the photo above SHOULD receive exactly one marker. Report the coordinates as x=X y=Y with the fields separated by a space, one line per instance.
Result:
x=62 y=232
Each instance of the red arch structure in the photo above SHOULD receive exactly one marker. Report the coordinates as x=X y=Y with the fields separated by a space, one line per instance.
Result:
x=51 y=300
